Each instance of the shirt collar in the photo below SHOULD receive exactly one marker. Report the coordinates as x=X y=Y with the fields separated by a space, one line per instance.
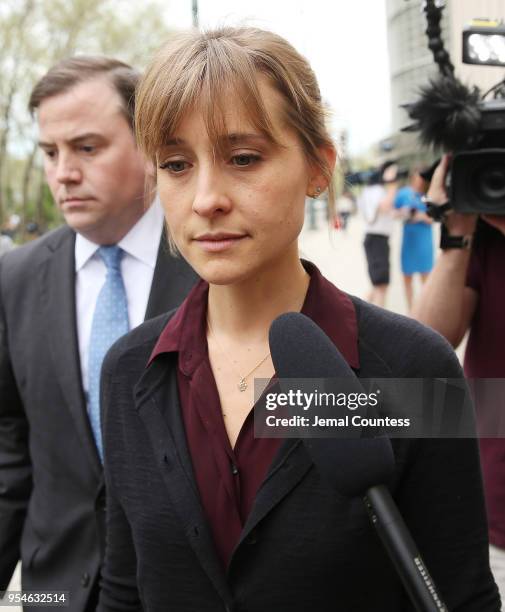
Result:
x=332 y=310
x=84 y=251
x=141 y=242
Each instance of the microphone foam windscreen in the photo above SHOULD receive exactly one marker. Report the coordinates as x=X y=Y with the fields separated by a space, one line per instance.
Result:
x=301 y=350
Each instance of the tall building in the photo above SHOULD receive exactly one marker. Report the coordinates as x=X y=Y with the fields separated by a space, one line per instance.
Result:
x=411 y=62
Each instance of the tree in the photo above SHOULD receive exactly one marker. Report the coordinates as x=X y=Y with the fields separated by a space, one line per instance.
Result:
x=34 y=34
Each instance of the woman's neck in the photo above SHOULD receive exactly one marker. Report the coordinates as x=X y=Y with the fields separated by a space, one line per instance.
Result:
x=246 y=310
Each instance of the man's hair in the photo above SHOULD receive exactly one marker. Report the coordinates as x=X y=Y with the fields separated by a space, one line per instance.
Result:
x=75 y=70
x=201 y=70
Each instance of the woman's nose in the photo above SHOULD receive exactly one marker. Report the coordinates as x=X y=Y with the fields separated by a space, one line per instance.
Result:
x=211 y=195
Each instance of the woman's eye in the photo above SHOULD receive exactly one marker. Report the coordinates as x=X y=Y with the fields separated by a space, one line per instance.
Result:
x=244 y=159
x=87 y=148
x=174 y=166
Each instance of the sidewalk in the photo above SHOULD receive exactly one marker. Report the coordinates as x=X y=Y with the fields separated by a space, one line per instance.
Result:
x=341 y=258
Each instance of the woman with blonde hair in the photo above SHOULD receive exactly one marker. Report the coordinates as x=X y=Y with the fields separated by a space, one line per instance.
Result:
x=201 y=515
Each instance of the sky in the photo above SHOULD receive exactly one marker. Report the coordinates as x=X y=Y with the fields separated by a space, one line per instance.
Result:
x=344 y=40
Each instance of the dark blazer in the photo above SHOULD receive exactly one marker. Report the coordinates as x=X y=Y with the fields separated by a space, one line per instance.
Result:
x=52 y=497
x=303 y=546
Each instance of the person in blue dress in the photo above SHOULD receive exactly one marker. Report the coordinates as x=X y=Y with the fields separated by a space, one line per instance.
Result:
x=417 y=242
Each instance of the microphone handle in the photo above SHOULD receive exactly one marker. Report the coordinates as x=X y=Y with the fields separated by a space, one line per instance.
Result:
x=402 y=550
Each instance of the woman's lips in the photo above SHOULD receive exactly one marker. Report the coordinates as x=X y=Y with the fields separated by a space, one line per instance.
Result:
x=219 y=243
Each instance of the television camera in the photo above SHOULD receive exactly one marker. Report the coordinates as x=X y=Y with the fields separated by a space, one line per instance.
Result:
x=462 y=120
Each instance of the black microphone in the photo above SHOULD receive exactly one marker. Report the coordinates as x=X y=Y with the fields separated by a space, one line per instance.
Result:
x=300 y=349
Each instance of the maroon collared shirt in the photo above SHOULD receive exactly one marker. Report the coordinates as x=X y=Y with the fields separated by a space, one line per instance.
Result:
x=229 y=478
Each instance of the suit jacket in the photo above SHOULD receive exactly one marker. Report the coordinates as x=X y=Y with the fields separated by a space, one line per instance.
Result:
x=303 y=547
x=52 y=497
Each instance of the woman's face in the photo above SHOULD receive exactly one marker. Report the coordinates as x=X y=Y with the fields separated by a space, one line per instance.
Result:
x=235 y=214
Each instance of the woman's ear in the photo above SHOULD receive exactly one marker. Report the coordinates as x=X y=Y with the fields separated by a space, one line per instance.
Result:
x=318 y=178
x=329 y=154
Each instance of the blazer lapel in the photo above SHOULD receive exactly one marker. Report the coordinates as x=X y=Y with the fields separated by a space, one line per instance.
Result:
x=158 y=406
x=172 y=280
x=57 y=286
x=290 y=465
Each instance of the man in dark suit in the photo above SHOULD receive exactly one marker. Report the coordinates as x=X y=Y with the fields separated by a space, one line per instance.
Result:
x=63 y=300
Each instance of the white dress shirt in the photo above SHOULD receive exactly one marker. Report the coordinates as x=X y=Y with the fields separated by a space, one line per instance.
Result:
x=140 y=246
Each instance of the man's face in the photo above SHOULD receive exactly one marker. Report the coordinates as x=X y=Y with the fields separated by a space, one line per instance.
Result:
x=91 y=162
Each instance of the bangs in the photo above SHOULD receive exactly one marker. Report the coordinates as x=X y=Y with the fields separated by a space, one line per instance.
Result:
x=198 y=75
x=223 y=70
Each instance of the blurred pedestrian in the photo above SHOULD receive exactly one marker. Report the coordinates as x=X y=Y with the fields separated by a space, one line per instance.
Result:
x=32 y=231
x=6 y=244
x=11 y=226
x=417 y=240
x=376 y=205
x=345 y=207
x=64 y=298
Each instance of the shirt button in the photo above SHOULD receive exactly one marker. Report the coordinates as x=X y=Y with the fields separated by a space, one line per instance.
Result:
x=234 y=469
x=100 y=503
x=85 y=578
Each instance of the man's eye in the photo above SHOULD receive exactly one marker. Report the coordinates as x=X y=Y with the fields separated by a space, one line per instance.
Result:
x=49 y=153
x=87 y=148
x=244 y=159
x=174 y=166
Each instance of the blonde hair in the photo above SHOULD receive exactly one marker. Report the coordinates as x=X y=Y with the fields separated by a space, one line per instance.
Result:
x=200 y=70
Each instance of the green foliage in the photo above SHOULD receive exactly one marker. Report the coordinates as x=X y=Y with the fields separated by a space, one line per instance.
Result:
x=48 y=216
x=34 y=34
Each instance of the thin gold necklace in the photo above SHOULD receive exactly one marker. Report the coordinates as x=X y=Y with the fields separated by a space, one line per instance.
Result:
x=242 y=383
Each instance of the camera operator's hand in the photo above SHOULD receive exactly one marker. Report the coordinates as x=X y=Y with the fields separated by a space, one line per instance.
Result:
x=390 y=174
x=421 y=217
x=457 y=224
x=446 y=303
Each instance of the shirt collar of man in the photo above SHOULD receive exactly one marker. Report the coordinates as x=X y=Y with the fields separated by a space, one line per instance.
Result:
x=326 y=305
x=140 y=242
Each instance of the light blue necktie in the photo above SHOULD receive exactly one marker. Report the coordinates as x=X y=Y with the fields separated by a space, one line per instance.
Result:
x=110 y=322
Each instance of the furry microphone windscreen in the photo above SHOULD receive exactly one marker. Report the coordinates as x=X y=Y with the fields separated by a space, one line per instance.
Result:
x=447 y=114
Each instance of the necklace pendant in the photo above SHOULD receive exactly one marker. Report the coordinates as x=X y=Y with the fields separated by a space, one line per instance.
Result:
x=242 y=385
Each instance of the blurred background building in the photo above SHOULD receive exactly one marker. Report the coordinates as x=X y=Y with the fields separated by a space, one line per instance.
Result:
x=411 y=62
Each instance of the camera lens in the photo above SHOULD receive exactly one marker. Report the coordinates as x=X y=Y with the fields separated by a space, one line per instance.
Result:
x=489 y=182
x=478 y=181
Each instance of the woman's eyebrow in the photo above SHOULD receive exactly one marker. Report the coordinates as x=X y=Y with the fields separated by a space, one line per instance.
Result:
x=244 y=137
x=226 y=139
x=174 y=142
